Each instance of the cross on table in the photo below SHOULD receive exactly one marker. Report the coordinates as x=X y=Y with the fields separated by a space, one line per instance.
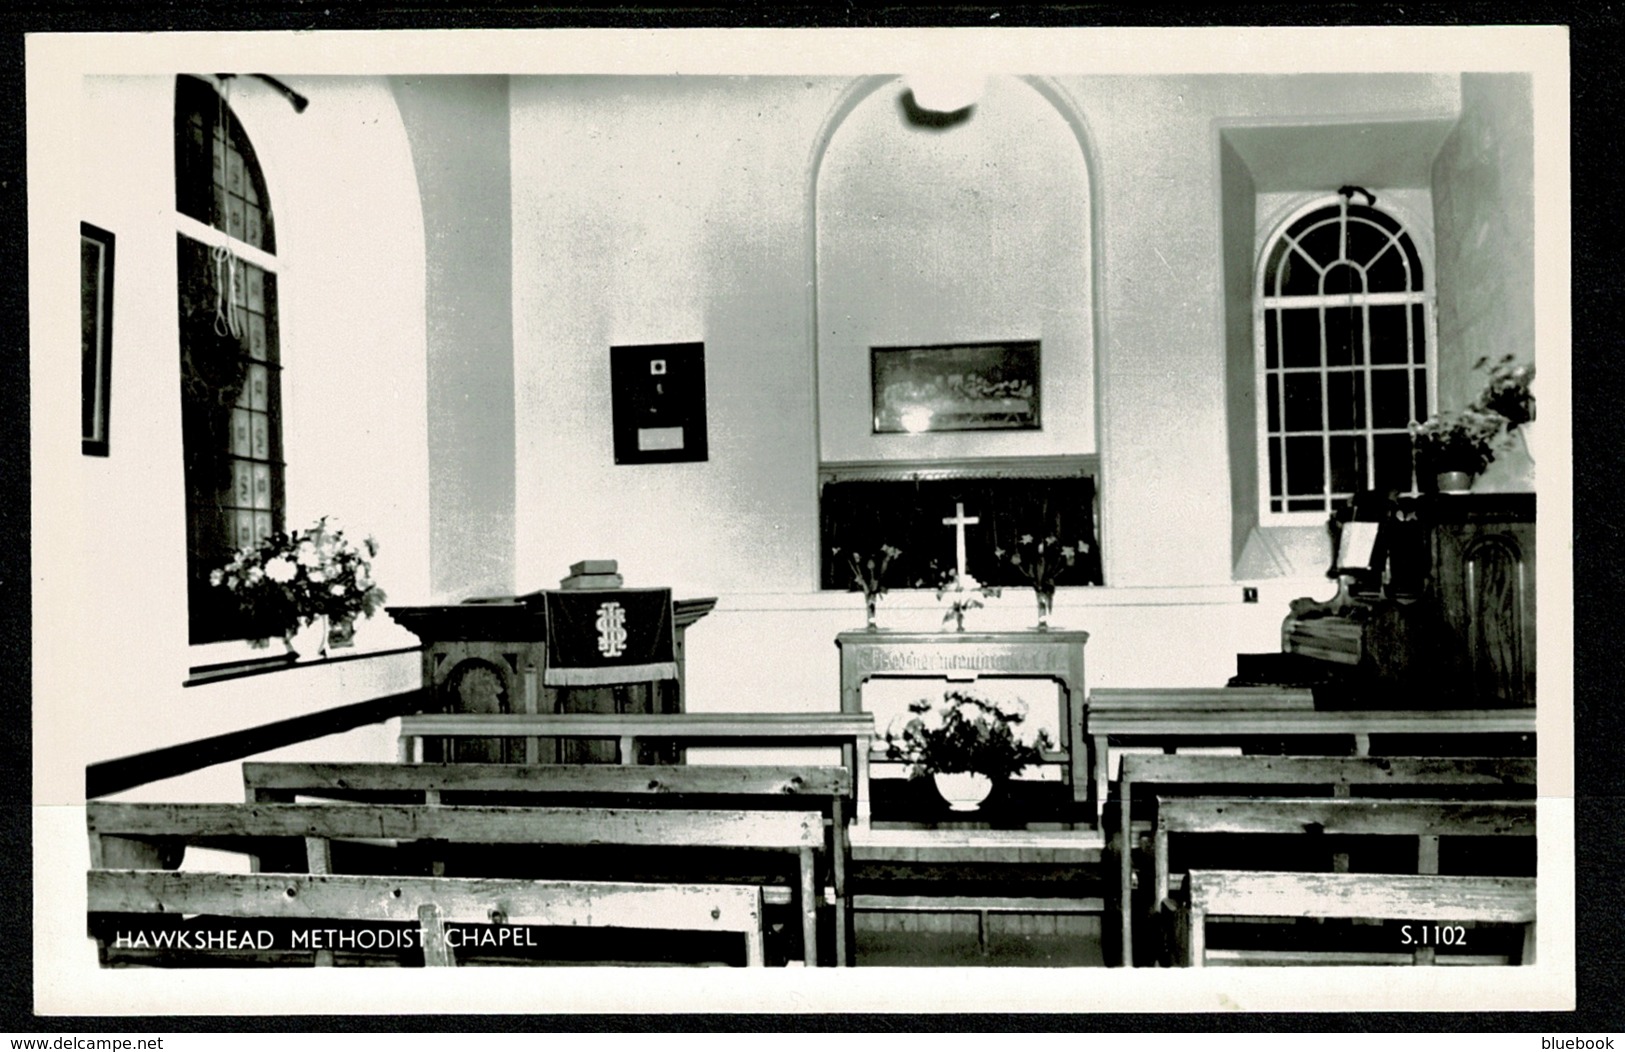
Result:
x=959 y=522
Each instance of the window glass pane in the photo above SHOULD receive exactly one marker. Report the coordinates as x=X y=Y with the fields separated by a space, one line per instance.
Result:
x=1323 y=243
x=1366 y=241
x=241 y=442
x=1390 y=398
x=1342 y=279
x=1275 y=471
x=256 y=287
x=1317 y=504
x=256 y=337
x=262 y=486
x=1272 y=396
x=1305 y=465
x=245 y=529
x=234 y=217
x=1387 y=272
x=257 y=388
x=262 y=436
x=243 y=487
x=1420 y=407
x=1392 y=462
x=1419 y=333
x=219 y=165
x=1300 y=338
x=262 y=525
x=1414 y=262
x=1389 y=340
x=251 y=226
x=234 y=172
x=1271 y=342
x=1348 y=467
x=1303 y=402
x=1345 y=343
x=1345 y=400
x=1298 y=277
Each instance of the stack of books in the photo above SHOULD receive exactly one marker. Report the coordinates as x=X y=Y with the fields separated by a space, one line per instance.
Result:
x=590 y=574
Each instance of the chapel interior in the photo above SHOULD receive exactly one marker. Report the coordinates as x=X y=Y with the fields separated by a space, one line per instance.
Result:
x=471 y=285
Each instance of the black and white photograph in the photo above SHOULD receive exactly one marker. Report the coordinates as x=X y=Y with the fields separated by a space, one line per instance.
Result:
x=509 y=421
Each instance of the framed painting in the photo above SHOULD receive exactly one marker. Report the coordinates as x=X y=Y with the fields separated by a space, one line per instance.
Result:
x=956 y=387
x=96 y=335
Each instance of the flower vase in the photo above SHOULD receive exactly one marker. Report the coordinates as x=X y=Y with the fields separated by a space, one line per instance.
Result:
x=963 y=790
x=869 y=601
x=308 y=639
x=1046 y=606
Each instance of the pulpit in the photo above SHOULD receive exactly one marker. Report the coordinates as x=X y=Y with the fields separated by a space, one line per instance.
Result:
x=491 y=656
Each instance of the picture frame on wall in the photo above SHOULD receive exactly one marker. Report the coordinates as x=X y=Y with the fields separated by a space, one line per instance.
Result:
x=658 y=403
x=956 y=387
x=96 y=336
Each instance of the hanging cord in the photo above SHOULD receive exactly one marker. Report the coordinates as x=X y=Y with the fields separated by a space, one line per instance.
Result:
x=226 y=267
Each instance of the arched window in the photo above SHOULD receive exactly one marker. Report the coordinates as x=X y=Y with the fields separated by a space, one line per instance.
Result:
x=1343 y=322
x=230 y=371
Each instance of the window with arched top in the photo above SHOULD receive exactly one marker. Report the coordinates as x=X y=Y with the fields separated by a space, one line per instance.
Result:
x=1343 y=322
x=230 y=361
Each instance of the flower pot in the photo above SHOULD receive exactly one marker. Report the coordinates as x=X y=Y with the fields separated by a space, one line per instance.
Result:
x=1454 y=482
x=963 y=790
x=309 y=639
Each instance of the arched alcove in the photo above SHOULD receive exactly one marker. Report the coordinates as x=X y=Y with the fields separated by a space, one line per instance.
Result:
x=947 y=232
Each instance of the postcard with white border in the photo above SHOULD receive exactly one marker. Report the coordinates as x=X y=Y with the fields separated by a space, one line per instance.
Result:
x=928 y=520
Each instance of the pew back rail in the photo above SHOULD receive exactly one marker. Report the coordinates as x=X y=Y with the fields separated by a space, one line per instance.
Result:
x=434 y=902
x=1354 y=896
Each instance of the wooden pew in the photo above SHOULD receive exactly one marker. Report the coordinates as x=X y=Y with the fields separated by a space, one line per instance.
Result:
x=1215 y=718
x=1417 y=898
x=248 y=826
x=1142 y=776
x=432 y=903
x=661 y=787
x=853 y=732
x=1079 y=848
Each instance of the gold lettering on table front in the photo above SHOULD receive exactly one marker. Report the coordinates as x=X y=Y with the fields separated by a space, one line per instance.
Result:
x=979 y=659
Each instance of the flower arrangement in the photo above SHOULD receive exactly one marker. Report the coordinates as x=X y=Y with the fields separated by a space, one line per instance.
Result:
x=869 y=574
x=965 y=733
x=967 y=593
x=1466 y=440
x=289 y=579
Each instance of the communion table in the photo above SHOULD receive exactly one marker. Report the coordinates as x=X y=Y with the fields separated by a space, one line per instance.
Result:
x=957 y=656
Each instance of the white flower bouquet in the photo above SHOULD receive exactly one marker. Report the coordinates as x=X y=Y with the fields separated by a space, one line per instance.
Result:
x=290 y=579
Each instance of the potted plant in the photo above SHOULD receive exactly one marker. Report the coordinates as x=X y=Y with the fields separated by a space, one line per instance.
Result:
x=966 y=744
x=1456 y=446
x=303 y=583
x=1041 y=561
x=868 y=577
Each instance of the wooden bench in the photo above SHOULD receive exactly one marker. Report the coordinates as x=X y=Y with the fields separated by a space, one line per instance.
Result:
x=853 y=732
x=661 y=787
x=1416 y=898
x=1143 y=776
x=1080 y=848
x=431 y=903
x=246 y=827
x=1257 y=713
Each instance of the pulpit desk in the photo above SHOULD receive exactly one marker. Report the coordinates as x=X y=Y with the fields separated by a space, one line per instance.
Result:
x=1054 y=654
